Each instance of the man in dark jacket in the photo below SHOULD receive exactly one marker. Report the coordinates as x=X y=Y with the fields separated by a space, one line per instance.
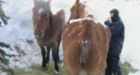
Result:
x=116 y=27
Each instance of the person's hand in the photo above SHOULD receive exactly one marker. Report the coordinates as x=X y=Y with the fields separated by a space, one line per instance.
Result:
x=108 y=19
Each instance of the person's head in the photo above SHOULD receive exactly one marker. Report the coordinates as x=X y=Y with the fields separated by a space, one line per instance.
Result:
x=114 y=14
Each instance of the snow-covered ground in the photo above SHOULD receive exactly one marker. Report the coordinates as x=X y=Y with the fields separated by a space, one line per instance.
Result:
x=19 y=28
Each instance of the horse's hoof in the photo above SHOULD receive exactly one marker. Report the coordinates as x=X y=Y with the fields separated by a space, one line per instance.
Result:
x=57 y=73
x=61 y=61
x=43 y=65
x=44 y=68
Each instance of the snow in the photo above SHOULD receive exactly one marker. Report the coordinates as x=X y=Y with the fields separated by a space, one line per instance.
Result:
x=20 y=29
x=137 y=73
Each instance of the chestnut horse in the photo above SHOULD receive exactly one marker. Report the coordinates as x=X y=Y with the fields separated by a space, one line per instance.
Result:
x=85 y=43
x=48 y=29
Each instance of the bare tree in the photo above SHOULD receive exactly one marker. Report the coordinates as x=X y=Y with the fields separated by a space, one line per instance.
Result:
x=3 y=17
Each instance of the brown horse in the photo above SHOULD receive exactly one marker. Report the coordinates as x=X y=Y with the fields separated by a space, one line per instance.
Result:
x=48 y=29
x=85 y=43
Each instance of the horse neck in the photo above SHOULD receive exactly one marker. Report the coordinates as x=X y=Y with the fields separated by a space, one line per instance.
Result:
x=50 y=21
x=55 y=28
x=79 y=17
x=58 y=22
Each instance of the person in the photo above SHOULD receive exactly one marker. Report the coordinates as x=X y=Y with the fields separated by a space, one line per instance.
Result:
x=3 y=17
x=117 y=29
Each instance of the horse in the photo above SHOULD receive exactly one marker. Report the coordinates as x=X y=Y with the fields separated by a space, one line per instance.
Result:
x=47 y=29
x=85 y=42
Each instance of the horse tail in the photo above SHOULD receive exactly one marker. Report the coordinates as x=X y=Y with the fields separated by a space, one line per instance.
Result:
x=85 y=47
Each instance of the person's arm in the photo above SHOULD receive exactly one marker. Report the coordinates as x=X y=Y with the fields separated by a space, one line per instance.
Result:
x=116 y=27
x=108 y=22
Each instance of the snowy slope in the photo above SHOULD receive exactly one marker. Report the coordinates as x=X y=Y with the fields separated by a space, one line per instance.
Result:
x=19 y=28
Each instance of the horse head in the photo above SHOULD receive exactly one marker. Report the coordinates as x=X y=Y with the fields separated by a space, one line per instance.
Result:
x=41 y=17
x=78 y=10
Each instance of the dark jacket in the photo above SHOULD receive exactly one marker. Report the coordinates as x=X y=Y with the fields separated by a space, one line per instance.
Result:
x=117 y=29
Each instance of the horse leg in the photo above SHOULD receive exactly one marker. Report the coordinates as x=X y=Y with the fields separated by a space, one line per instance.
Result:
x=72 y=68
x=74 y=72
x=72 y=63
x=58 y=45
x=48 y=55
x=43 y=57
x=55 y=55
x=97 y=69
x=91 y=71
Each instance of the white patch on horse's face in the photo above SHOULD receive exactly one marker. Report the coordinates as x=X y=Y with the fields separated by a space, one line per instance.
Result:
x=41 y=10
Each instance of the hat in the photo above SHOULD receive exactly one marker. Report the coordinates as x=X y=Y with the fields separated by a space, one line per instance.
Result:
x=115 y=12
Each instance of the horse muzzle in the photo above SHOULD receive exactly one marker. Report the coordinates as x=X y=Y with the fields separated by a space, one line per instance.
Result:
x=39 y=35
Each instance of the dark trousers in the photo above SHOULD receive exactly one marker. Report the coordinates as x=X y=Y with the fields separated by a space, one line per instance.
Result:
x=113 y=59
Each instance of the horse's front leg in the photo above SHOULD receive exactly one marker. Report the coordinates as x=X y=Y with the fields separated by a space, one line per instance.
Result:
x=48 y=55
x=55 y=55
x=43 y=52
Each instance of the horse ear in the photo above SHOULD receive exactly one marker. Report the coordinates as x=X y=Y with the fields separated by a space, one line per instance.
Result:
x=35 y=2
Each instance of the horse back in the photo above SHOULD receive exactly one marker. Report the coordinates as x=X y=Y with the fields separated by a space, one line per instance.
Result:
x=85 y=41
